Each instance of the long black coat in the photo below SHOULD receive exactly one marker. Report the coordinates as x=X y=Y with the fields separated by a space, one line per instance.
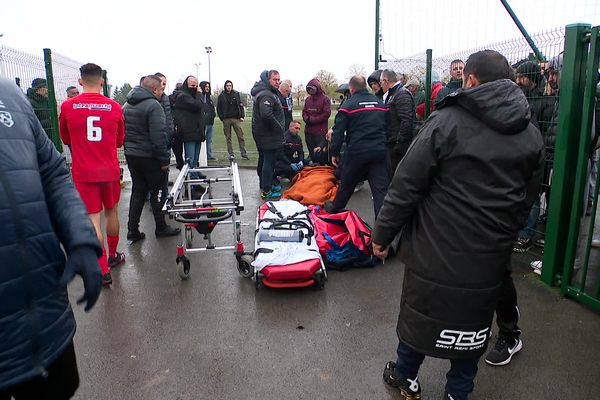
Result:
x=461 y=194
x=267 y=117
x=189 y=117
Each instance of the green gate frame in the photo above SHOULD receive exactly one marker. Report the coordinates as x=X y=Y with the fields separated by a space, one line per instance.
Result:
x=576 y=98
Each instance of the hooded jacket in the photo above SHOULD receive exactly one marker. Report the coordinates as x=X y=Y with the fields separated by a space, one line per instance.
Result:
x=459 y=197
x=209 y=107
x=145 y=128
x=316 y=111
x=189 y=114
x=229 y=105
x=41 y=214
x=267 y=115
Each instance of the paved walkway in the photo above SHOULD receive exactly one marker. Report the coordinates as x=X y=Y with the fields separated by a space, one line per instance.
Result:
x=152 y=336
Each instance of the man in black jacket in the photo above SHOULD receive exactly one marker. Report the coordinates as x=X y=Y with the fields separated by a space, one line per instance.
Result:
x=209 y=117
x=230 y=110
x=148 y=156
x=267 y=130
x=456 y=79
x=401 y=118
x=459 y=197
x=361 y=124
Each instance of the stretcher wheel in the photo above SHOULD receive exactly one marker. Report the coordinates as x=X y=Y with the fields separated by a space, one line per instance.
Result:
x=189 y=235
x=183 y=267
x=319 y=281
x=245 y=266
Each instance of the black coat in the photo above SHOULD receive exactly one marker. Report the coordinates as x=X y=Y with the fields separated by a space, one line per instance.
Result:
x=189 y=117
x=209 y=107
x=42 y=218
x=401 y=115
x=267 y=117
x=459 y=197
x=145 y=128
x=229 y=105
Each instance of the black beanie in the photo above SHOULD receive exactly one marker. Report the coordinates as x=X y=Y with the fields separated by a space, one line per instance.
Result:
x=530 y=70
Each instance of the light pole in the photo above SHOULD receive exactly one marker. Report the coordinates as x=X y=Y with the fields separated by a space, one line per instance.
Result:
x=197 y=70
x=208 y=51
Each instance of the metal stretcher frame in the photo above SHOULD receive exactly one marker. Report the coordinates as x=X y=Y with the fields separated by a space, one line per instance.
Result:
x=203 y=214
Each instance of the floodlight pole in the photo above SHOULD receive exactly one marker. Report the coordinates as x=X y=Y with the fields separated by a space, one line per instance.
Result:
x=512 y=14
x=208 y=51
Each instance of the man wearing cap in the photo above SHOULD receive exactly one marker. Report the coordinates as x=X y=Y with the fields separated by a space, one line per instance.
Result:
x=38 y=97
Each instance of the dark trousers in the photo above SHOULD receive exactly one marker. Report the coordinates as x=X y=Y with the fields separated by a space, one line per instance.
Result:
x=146 y=176
x=178 y=151
x=358 y=167
x=313 y=141
x=459 y=379
x=61 y=382
x=396 y=153
x=266 y=168
x=507 y=311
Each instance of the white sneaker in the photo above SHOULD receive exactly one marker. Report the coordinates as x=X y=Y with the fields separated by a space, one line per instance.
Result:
x=537 y=266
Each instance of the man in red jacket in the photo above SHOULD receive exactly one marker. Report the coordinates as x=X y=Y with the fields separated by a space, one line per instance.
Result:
x=92 y=126
x=316 y=113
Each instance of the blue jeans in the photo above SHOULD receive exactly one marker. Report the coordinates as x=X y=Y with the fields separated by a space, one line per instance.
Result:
x=208 y=132
x=192 y=154
x=529 y=231
x=459 y=379
x=266 y=168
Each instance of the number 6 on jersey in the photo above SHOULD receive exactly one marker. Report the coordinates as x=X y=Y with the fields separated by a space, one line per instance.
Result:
x=94 y=133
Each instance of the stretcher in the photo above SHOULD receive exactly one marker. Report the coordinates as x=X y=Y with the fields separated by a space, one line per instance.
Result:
x=200 y=211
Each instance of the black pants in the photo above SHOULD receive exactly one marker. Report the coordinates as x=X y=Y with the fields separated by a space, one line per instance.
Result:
x=396 y=153
x=358 y=167
x=313 y=141
x=146 y=176
x=266 y=168
x=507 y=311
x=61 y=383
x=178 y=151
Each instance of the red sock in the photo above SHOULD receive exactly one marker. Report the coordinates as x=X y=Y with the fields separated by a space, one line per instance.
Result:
x=103 y=262
x=112 y=241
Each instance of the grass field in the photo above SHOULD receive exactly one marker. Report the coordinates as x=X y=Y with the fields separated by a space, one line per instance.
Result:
x=219 y=148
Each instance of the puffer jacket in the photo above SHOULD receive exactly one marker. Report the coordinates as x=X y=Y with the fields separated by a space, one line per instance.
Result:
x=189 y=115
x=401 y=115
x=267 y=115
x=459 y=196
x=40 y=210
x=316 y=111
x=145 y=129
x=165 y=102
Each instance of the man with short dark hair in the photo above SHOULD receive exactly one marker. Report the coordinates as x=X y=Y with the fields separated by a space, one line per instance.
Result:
x=92 y=126
x=72 y=91
x=291 y=160
x=267 y=130
x=459 y=197
x=230 y=110
x=209 y=117
x=456 y=79
x=401 y=118
x=148 y=156
x=360 y=123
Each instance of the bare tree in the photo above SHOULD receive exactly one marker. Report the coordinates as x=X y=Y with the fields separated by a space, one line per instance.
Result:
x=328 y=81
x=356 y=69
x=299 y=93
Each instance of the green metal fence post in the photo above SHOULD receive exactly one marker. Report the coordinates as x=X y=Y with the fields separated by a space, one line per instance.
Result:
x=561 y=230
x=428 y=83
x=526 y=35
x=54 y=135
x=105 y=84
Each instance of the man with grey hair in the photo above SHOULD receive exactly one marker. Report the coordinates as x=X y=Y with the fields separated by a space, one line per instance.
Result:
x=285 y=91
x=401 y=118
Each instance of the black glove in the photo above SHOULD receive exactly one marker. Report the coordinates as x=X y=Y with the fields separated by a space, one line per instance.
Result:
x=84 y=262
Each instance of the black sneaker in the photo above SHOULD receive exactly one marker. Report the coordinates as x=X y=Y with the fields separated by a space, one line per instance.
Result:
x=504 y=350
x=106 y=279
x=167 y=231
x=245 y=157
x=133 y=237
x=410 y=389
x=522 y=245
x=118 y=259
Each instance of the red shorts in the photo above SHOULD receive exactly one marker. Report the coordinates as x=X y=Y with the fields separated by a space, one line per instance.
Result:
x=99 y=195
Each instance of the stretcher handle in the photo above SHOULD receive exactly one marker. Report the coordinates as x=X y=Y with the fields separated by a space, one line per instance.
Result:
x=178 y=218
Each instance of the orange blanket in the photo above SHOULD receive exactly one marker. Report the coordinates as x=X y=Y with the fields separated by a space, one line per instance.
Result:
x=313 y=185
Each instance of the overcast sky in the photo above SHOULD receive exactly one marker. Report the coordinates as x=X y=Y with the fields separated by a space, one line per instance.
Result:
x=131 y=38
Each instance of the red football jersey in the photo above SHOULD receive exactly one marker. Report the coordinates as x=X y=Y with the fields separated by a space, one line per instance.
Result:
x=93 y=126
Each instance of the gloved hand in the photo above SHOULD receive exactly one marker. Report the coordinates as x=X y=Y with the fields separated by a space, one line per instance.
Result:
x=294 y=167
x=83 y=261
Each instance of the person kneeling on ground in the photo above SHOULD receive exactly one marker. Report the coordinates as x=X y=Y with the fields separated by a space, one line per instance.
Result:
x=291 y=159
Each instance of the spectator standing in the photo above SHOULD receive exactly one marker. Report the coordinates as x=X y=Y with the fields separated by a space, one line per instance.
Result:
x=148 y=156
x=230 y=110
x=316 y=113
x=375 y=85
x=209 y=117
x=267 y=130
x=177 y=143
x=285 y=91
x=361 y=124
x=475 y=166
x=456 y=79
x=38 y=97
x=40 y=225
x=189 y=117
x=92 y=126
x=72 y=91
